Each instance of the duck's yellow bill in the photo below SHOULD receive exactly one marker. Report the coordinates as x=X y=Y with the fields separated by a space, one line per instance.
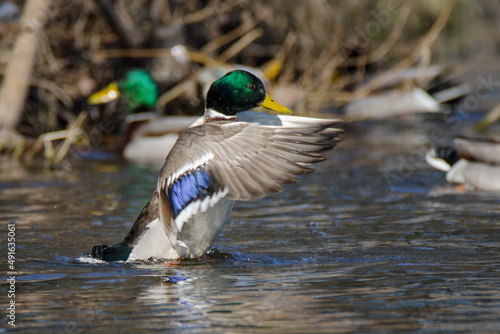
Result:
x=105 y=95
x=269 y=103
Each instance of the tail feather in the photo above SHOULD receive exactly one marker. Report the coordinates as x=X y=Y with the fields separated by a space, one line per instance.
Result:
x=118 y=252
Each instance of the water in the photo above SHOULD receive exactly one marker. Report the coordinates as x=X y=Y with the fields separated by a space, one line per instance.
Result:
x=374 y=241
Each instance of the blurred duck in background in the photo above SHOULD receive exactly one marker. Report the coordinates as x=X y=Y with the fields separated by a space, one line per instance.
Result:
x=414 y=90
x=148 y=137
x=473 y=163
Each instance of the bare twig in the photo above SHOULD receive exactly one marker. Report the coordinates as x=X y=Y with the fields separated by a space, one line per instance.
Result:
x=273 y=67
x=69 y=137
x=126 y=34
x=394 y=36
x=425 y=43
x=74 y=132
x=243 y=29
x=215 y=7
x=194 y=56
x=242 y=43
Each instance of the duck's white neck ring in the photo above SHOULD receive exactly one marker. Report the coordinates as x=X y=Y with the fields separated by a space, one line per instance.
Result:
x=212 y=115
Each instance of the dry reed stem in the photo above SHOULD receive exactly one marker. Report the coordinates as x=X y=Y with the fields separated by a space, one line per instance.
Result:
x=194 y=56
x=272 y=68
x=69 y=137
x=393 y=37
x=238 y=32
x=491 y=117
x=243 y=42
x=80 y=25
x=74 y=133
x=18 y=74
x=425 y=44
x=215 y=8
x=239 y=45
x=311 y=73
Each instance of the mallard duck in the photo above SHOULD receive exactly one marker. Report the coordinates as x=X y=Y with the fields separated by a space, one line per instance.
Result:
x=470 y=162
x=148 y=137
x=414 y=90
x=230 y=154
x=137 y=88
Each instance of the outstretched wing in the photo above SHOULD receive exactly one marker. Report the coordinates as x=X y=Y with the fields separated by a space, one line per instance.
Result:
x=238 y=160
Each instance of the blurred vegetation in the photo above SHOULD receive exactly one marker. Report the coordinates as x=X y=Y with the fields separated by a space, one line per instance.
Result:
x=327 y=48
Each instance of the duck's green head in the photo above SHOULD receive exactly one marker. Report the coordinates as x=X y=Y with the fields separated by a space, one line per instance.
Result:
x=137 y=89
x=238 y=91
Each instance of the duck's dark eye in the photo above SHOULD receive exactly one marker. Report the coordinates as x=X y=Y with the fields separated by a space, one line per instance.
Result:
x=251 y=86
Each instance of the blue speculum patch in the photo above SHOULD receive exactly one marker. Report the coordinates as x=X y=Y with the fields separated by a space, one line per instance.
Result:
x=188 y=188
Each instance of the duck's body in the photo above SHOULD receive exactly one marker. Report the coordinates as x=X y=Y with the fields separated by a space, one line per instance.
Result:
x=149 y=138
x=471 y=162
x=408 y=92
x=230 y=154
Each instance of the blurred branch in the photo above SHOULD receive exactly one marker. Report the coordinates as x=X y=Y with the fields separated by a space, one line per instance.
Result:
x=69 y=137
x=420 y=50
x=272 y=68
x=126 y=34
x=215 y=8
x=20 y=67
x=156 y=53
x=490 y=118
x=394 y=36
x=233 y=34
x=180 y=88
x=326 y=60
x=242 y=43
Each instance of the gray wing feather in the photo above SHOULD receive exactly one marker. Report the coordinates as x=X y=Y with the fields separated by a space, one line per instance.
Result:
x=251 y=160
